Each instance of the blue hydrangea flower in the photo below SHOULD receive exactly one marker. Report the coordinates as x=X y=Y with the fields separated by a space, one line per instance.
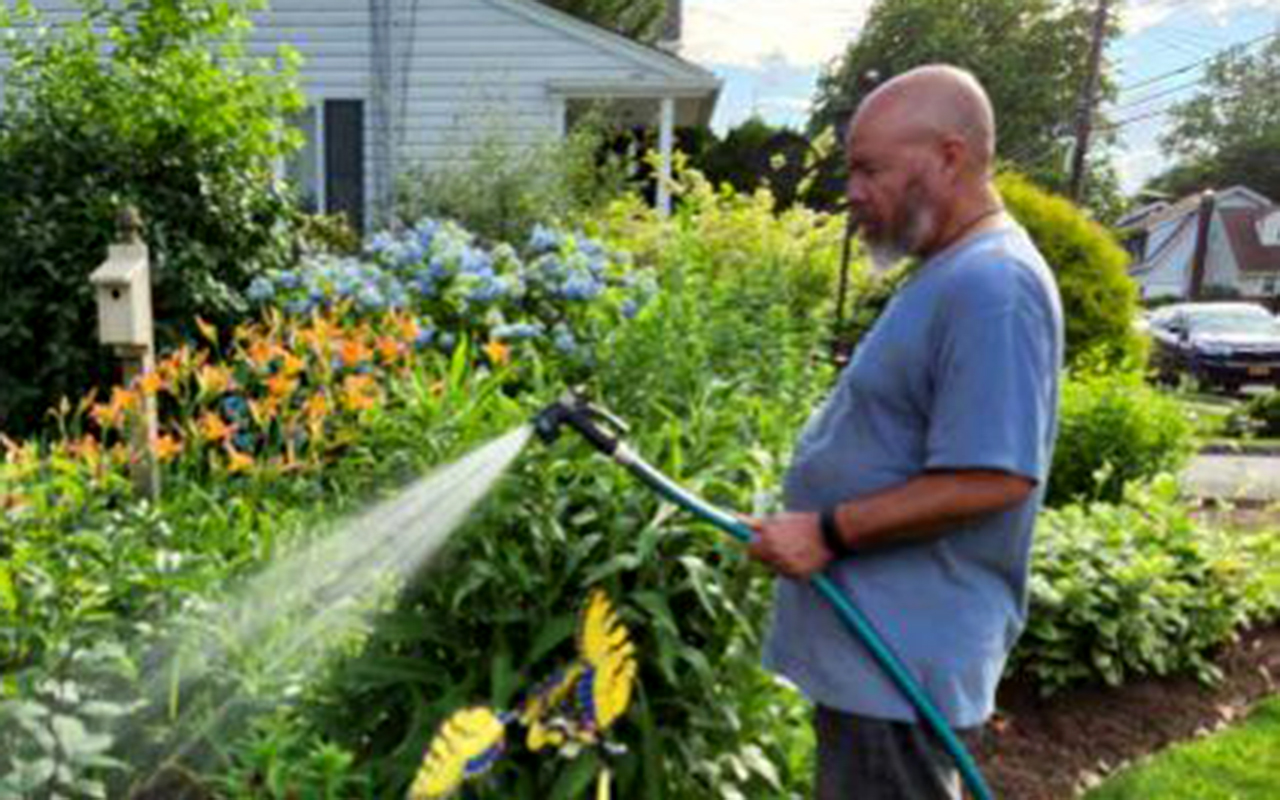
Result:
x=516 y=331
x=446 y=341
x=381 y=243
x=487 y=289
x=424 y=338
x=630 y=308
x=425 y=232
x=564 y=341
x=299 y=306
x=544 y=240
x=370 y=298
x=261 y=289
x=581 y=287
x=288 y=280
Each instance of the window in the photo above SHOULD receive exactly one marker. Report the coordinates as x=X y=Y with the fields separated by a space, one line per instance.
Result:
x=328 y=170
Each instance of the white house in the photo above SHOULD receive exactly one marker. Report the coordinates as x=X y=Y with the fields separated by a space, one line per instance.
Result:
x=1217 y=244
x=397 y=83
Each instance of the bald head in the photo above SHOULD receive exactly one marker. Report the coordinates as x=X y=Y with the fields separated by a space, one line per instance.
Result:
x=921 y=150
x=934 y=103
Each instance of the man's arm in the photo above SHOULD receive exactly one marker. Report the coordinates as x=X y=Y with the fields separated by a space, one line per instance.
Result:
x=924 y=506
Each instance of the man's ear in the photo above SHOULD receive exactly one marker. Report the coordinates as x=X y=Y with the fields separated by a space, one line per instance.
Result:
x=954 y=152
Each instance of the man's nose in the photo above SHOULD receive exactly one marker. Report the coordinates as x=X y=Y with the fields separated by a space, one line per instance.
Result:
x=855 y=192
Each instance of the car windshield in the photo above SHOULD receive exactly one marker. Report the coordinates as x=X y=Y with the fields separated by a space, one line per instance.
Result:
x=1237 y=322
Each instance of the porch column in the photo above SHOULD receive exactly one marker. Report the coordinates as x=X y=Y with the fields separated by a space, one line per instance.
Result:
x=666 y=144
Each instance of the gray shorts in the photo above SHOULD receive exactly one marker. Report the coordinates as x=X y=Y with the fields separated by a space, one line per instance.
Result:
x=860 y=758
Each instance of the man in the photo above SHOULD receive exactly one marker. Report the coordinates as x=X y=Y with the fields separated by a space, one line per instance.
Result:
x=916 y=485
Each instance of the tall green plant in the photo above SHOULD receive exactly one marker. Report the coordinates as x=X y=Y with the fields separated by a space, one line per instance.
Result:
x=158 y=105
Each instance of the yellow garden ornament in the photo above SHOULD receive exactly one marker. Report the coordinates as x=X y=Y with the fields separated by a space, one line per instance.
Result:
x=607 y=650
x=467 y=746
x=568 y=712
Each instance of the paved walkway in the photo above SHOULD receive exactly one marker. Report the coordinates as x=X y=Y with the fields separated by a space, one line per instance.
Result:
x=1251 y=478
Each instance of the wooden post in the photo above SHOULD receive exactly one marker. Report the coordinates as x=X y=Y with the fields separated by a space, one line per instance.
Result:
x=1088 y=101
x=123 y=289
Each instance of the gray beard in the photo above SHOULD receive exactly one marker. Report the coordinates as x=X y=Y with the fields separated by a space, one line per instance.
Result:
x=885 y=255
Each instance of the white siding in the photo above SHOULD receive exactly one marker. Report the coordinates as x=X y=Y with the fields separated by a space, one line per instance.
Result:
x=457 y=69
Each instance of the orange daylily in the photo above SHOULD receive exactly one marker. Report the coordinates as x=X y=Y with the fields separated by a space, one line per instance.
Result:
x=316 y=407
x=213 y=380
x=409 y=329
x=208 y=331
x=498 y=352
x=261 y=352
x=151 y=383
x=390 y=350
x=213 y=428
x=359 y=393
x=238 y=461
x=293 y=365
x=281 y=385
x=111 y=414
x=86 y=447
x=167 y=448
x=354 y=353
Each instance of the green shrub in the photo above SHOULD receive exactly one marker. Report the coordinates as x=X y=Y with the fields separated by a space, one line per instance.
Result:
x=1114 y=429
x=500 y=190
x=1262 y=414
x=154 y=105
x=1119 y=591
x=1099 y=299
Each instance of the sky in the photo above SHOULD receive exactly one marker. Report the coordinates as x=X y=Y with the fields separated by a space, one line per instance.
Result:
x=770 y=52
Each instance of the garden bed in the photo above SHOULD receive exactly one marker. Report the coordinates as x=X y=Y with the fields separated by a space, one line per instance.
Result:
x=1051 y=749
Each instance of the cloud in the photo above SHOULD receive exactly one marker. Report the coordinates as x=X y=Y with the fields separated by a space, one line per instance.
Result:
x=760 y=34
x=1139 y=15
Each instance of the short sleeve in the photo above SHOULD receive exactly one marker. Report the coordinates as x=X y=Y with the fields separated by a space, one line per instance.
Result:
x=995 y=363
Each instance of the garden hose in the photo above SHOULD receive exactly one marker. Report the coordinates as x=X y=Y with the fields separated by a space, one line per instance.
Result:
x=604 y=432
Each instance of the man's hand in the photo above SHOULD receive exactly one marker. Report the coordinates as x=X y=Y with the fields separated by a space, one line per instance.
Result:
x=790 y=544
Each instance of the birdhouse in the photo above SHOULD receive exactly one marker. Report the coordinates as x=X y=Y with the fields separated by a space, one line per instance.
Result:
x=122 y=286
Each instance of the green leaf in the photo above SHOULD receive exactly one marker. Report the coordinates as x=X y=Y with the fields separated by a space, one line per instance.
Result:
x=576 y=778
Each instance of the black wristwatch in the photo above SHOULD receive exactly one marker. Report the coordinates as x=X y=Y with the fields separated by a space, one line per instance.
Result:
x=831 y=537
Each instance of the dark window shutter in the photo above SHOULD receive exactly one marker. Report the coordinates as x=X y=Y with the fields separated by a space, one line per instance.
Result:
x=344 y=160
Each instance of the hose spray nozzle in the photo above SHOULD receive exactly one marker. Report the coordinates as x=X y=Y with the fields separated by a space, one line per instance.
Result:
x=597 y=425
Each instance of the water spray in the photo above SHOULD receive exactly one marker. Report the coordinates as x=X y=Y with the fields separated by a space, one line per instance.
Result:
x=605 y=432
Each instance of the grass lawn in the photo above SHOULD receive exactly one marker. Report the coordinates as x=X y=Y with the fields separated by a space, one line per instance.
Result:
x=1242 y=763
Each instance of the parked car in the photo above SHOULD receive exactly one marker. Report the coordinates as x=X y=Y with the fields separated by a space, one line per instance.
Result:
x=1224 y=345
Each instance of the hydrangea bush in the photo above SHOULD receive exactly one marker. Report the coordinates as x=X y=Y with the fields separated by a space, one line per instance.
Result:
x=560 y=292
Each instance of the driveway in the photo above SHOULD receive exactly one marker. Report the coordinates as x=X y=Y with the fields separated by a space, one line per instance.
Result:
x=1227 y=477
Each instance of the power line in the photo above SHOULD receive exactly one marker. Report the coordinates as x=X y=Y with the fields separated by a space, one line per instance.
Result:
x=1200 y=63
x=1162 y=93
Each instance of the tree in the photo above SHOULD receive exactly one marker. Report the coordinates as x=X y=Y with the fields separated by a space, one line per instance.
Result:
x=154 y=104
x=1031 y=56
x=639 y=19
x=1229 y=133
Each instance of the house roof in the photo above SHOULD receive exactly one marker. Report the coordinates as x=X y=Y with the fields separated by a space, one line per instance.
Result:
x=1252 y=255
x=686 y=74
x=1190 y=203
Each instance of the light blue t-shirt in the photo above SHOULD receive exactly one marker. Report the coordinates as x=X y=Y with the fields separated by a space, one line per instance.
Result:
x=960 y=372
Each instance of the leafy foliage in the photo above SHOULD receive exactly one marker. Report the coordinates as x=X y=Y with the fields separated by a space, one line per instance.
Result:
x=157 y=106
x=1228 y=133
x=1120 y=591
x=638 y=19
x=1099 y=299
x=1261 y=415
x=501 y=190
x=1029 y=54
x=1115 y=430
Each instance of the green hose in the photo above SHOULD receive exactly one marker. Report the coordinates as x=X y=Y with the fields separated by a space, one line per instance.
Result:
x=850 y=614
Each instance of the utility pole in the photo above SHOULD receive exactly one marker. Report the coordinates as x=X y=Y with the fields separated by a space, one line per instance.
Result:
x=1089 y=100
